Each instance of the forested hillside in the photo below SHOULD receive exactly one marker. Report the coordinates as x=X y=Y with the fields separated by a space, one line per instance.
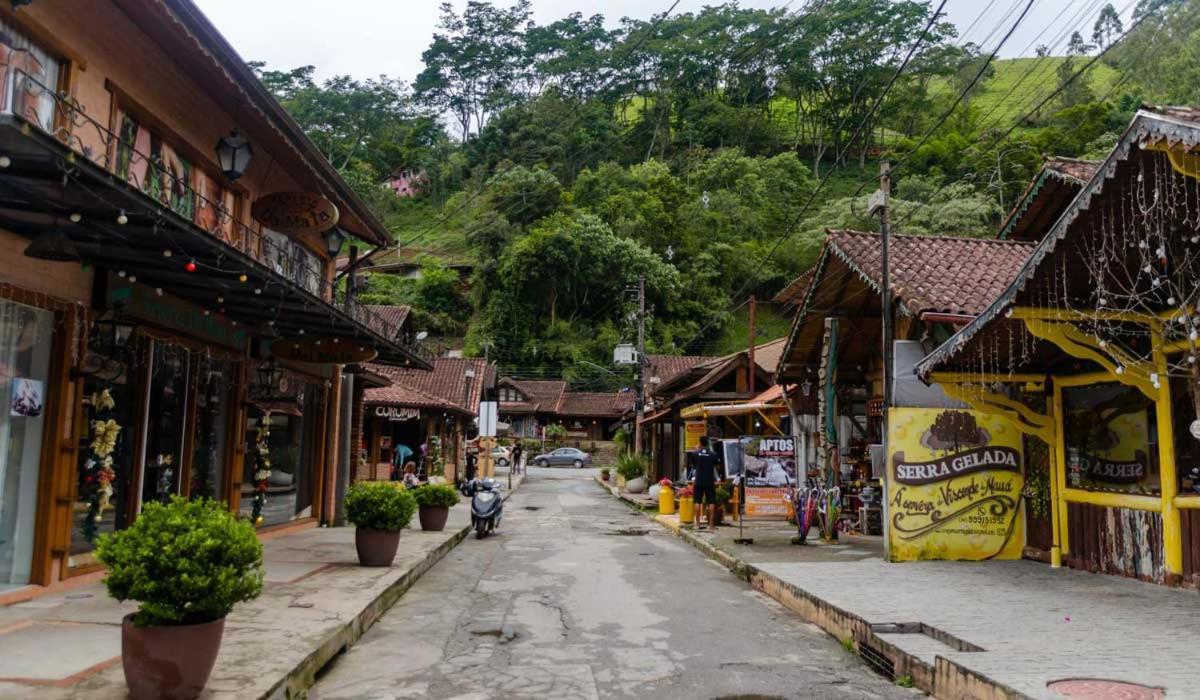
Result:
x=709 y=151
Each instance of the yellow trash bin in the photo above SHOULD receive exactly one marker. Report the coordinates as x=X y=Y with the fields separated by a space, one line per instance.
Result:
x=687 y=509
x=666 y=501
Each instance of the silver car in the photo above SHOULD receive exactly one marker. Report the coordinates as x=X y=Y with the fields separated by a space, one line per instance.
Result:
x=564 y=456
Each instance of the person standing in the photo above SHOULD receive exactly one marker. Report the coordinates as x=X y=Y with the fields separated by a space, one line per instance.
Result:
x=517 y=451
x=704 y=463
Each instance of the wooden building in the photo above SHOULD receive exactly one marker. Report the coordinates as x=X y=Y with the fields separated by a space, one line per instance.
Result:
x=163 y=314
x=1092 y=347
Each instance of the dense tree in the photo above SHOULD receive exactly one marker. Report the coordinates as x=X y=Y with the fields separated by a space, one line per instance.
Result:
x=1108 y=27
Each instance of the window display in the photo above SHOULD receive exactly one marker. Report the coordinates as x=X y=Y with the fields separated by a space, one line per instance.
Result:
x=292 y=425
x=166 y=421
x=1111 y=439
x=213 y=382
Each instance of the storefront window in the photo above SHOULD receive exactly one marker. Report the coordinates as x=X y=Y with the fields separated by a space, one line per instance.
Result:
x=166 y=422
x=293 y=424
x=212 y=424
x=1111 y=439
x=25 y=334
x=102 y=486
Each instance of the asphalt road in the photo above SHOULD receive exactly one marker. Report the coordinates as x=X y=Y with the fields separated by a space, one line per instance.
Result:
x=579 y=597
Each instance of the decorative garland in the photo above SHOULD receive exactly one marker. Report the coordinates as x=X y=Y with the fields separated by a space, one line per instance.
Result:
x=98 y=470
x=437 y=464
x=262 y=468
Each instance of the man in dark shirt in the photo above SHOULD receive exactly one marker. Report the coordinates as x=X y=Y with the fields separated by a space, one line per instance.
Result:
x=704 y=463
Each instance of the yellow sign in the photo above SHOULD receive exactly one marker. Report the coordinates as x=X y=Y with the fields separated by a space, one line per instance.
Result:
x=954 y=485
x=692 y=430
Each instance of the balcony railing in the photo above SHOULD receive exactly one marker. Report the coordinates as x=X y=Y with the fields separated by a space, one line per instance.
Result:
x=166 y=187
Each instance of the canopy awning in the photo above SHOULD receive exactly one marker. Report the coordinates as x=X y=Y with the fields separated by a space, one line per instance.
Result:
x=46 y=183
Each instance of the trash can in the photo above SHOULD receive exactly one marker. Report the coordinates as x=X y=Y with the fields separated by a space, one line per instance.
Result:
x=666 y=501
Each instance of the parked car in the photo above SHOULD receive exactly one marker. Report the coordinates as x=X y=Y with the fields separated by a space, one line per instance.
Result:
x=501 y=456
x=564 y=456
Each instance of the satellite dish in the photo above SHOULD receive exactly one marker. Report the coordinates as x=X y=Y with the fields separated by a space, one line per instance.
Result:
x=422 y=335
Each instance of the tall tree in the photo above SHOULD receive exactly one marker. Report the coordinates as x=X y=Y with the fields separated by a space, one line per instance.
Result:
x=1108 y=27
x=475 y=64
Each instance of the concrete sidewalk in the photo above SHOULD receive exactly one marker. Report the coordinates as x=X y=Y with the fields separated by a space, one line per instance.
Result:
x=317 y=601
x=974 y=629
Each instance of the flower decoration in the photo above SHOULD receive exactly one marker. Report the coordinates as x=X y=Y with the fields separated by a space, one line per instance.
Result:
x=99 y=469
x=262 y=471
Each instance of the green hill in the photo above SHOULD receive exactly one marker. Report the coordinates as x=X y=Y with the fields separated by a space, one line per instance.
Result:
x=1019 y=84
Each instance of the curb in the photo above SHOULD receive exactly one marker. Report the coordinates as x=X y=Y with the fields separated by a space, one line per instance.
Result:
x=945 y=679
x=300 y=679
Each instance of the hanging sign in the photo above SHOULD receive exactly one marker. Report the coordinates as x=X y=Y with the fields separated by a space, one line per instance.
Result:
x=954 y=485
x=328 y=351
x=295 y=212
x=393 y=413
x=174 y=314
x=692 y=430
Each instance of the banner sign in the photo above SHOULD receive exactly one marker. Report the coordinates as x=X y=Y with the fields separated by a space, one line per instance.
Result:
x=954 y=485
x=769 y=473
x=692 y=430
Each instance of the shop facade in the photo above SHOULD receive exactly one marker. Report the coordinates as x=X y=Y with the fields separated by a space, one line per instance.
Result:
x=160 y=319
x=426 y=417
x=1093 y=347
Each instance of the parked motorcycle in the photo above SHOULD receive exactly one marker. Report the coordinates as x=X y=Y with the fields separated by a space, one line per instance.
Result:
x=486 y=505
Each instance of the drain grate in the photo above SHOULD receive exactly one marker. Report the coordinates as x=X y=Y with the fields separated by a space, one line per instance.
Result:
x=877 y=660
x=531 y=507
x=1103 y=689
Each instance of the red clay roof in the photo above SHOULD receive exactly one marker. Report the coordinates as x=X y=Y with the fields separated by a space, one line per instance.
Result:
x=446 y=386
x=667 y=367
x=394 y=316
x=936 y=273
x=595 y=405
x=1081 y=170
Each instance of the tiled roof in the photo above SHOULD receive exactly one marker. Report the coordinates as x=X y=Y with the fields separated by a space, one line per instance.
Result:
x=1183 y=114
x=793 y=294
x=393 y=316
x=445 y=385
x=588 y=404
x=936 y=273
x=766 y=355
x=1080 y=170
x=544 y=394
x=667 y=367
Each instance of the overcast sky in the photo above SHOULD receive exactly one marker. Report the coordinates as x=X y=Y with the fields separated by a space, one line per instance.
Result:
x=366 y=38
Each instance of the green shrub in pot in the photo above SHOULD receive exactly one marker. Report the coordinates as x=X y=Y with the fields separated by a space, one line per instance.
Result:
x=385 y=506
x=185 y=562
x=436 y=496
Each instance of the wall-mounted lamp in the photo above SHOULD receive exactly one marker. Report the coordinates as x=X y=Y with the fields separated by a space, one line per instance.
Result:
x=234 y=154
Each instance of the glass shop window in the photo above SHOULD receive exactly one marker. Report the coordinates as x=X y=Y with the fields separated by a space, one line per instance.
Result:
x=103 y=479
x=31 y=77
x=213 y=382
x=292 y=428
x=25 y=334
x=166 y=422
x=1111 y=439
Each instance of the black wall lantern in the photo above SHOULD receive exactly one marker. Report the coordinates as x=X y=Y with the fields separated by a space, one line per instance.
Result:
x=234 y=154
x=334 y=238
x=267 y=379
x=108 y=347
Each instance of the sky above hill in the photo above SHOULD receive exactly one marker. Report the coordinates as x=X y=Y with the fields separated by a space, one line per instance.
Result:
x=366 y=38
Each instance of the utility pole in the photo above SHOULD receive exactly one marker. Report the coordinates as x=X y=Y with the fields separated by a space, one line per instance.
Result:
x=640 y=383
x=751 y=367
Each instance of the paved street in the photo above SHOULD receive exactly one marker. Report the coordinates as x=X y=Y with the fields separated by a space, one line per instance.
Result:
x=579 y=597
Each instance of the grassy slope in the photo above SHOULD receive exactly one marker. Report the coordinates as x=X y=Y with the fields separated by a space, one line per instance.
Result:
x=1029 y=80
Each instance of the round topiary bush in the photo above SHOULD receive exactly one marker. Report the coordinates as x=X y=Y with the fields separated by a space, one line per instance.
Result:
x=436 y=496
x=185 y=563
x=380 y=505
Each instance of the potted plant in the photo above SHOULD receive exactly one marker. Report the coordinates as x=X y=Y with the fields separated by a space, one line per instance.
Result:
x=604 y=473
x=379 y=510
x=435 y=501
x=724 y=498
x=186 y=563
x=633 y=469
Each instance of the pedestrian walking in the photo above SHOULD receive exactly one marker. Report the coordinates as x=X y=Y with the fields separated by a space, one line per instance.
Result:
x=704 y=463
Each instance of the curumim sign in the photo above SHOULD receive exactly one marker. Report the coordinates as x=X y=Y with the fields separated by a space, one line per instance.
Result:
x=954 y=485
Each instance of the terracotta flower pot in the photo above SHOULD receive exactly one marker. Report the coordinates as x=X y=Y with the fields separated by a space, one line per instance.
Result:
x=376 y=547
x=433 y=518
x=171 y=662
x=604 y=476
